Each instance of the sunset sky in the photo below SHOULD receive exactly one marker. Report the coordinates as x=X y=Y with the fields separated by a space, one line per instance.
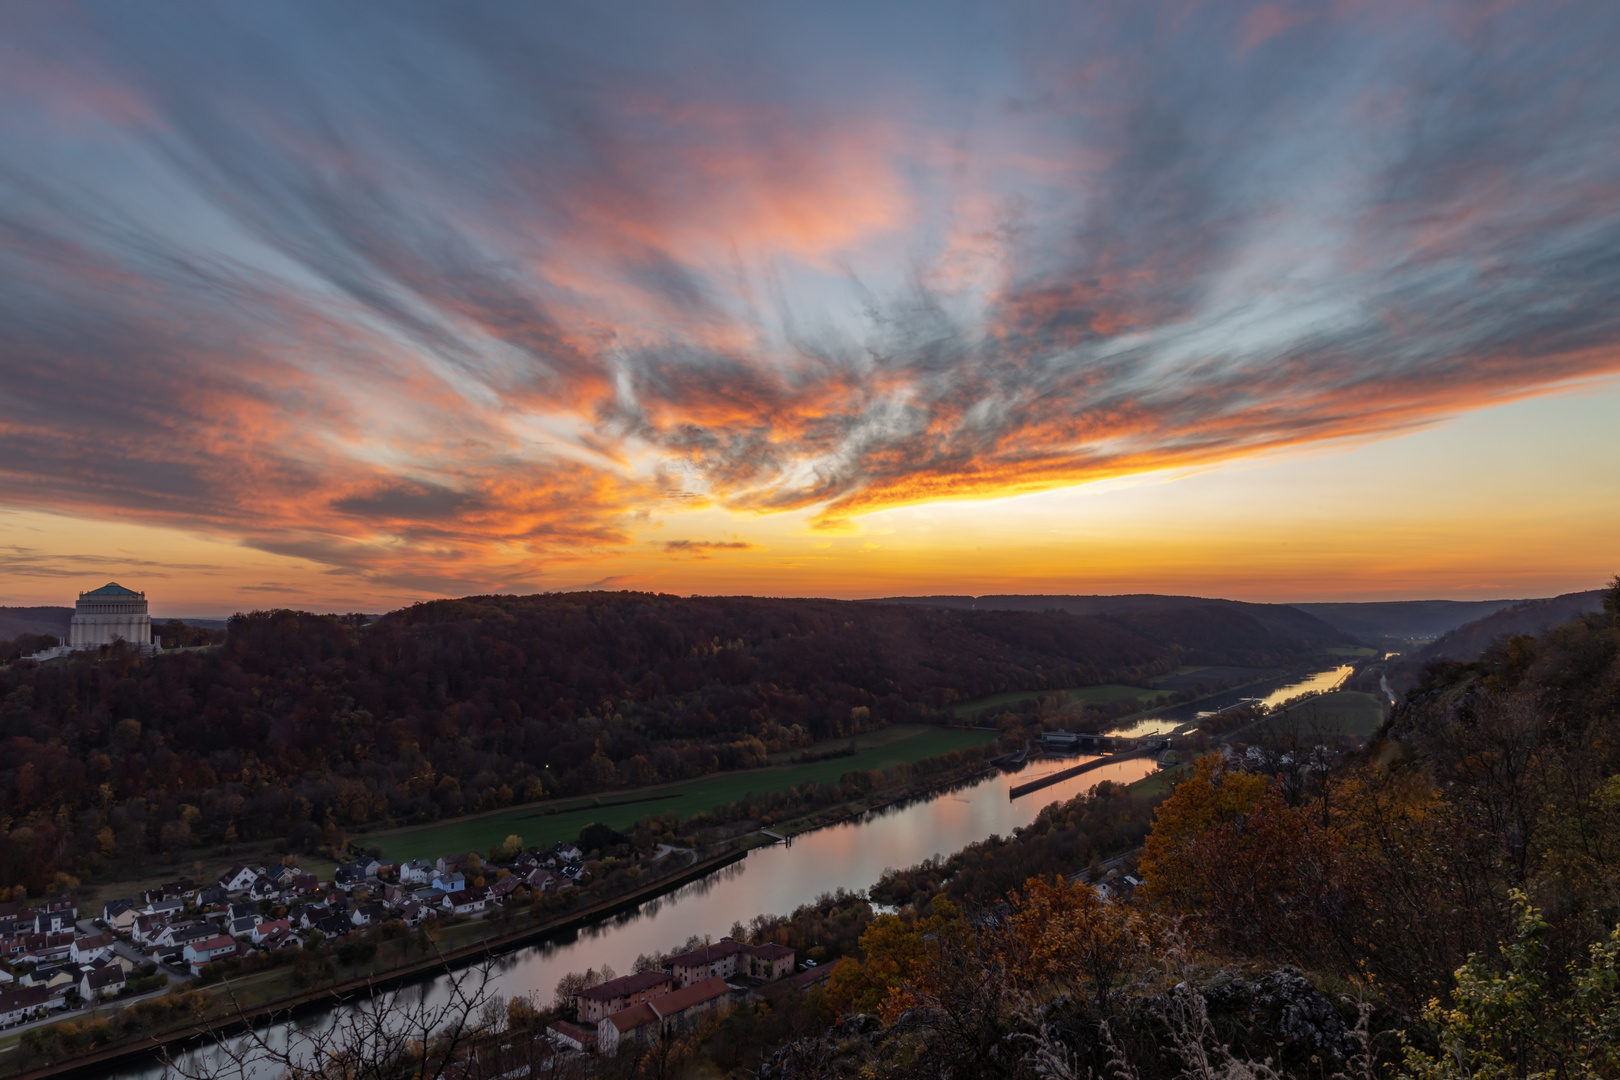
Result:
x=343 y=306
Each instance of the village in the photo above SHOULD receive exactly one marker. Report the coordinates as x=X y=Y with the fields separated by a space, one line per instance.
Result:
x=55 y=959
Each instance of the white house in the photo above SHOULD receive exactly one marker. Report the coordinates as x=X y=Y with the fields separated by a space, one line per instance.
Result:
x=180 y=936
x=416 y=872
x=266 y=929
x=102 y=982
x=199 y=953
x=87 y=950
x=280 y=939
x=148 y=928
x=24 y=1004
x=239 y=878
x=465 y=902
x=413 y=912
x=572 y=1036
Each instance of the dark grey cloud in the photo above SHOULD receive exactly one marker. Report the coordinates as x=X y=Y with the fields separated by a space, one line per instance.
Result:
x=344 y=281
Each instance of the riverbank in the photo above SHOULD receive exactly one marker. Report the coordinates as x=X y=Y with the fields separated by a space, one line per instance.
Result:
x=544 y=823
x=245 y=1013
x=269 y=995
x=1124 y=726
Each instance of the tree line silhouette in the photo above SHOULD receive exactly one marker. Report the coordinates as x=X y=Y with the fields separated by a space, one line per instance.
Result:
x=299 y=725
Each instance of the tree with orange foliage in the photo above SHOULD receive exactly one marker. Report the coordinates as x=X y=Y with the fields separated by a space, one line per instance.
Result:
x=1213 y=797
x=896 y=951
x=1063 y=933
x=1258 y=874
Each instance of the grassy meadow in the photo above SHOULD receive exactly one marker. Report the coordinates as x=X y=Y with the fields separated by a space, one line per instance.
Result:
x=1090 y=695
x=545 y=823
x=1344 y=712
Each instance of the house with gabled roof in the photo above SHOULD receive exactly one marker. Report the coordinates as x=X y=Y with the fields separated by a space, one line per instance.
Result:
x=615 y=995
x=118 y=914
x=678 y=1008
x=102 y=982
x=465 y=902
x=416 y=872
x=17 y=1006
x=572 y=1036
x=201 y=953
x=93 y=947
x=265 y=929
x=238 y=878
x=727 y=957
x=212 y=897
x=147 y=928
x=636 y=1022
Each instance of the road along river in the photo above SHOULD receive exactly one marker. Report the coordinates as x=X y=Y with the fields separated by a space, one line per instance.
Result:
x=777 y=879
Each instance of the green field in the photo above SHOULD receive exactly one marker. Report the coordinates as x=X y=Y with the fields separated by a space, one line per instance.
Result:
x=545 y=823
x=1160 y=783
x=1343 y=712
x=1090 y=695
x=1185 y=669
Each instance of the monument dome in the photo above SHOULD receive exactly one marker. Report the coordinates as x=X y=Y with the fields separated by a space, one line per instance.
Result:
x=108 y=614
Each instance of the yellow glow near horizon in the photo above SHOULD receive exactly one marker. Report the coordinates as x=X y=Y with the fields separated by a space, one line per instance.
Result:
x=1519 y=500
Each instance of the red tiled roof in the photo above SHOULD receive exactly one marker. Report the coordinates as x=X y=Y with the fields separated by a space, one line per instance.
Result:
x=679 y=1001
x=772 y=951
x=574 y=1031
x=707 y=954
x=626 y=984
x=633 y=1017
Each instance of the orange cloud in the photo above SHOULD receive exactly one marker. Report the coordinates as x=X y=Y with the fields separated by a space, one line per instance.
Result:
x=460 y=333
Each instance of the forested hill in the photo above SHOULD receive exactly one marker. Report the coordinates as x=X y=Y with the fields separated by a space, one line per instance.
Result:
x=1207 y=631
x=1470 y=641
x=456 y=706
x=1380 y=619
x=34 y=620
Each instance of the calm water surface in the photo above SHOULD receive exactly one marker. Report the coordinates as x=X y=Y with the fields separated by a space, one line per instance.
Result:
x=852 y=856
x=1270 y=694
x=777 y=879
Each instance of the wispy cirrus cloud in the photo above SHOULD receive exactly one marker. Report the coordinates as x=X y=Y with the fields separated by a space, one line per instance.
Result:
x=454 y=298
x=704 y=549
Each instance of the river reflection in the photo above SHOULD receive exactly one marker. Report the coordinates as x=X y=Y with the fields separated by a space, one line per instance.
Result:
x=1270 y=694
x=777 y=879
x=852 y=856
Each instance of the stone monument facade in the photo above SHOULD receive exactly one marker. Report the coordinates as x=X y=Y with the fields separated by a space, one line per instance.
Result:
x=108 y=614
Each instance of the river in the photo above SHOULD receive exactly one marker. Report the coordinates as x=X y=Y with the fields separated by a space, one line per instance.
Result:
x=1270 y=694
x=777 y=879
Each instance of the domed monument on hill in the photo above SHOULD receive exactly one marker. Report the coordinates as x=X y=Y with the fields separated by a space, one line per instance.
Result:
x=108 y=614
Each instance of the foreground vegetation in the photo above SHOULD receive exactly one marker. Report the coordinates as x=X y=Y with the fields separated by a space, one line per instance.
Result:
x=1445 y=904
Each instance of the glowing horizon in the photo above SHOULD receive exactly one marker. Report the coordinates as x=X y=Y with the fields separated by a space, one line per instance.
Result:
x=345 y=309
